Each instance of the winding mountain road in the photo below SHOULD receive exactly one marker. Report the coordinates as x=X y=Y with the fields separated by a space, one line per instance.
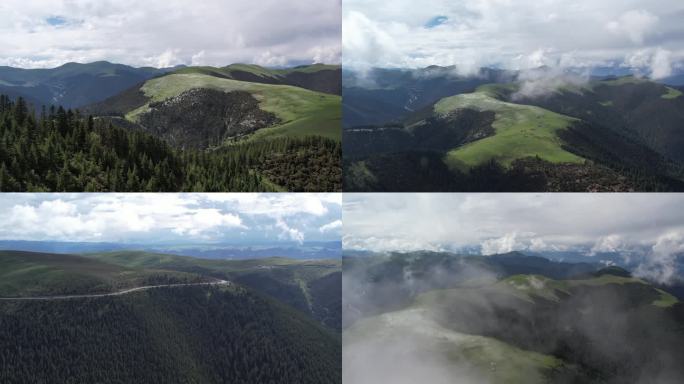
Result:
x=118 y=293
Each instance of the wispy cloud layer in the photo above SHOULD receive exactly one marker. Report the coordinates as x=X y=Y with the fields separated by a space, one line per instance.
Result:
x=163 y=33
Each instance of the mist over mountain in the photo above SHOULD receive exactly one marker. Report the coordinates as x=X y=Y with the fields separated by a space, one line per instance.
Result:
x=505 y=318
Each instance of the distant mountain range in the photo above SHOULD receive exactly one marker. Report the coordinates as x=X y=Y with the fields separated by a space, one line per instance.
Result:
x=308 y=250
x=433 y=130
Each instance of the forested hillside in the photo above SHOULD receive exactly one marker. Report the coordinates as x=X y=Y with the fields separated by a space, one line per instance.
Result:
x=171 y=335
x=62 y=150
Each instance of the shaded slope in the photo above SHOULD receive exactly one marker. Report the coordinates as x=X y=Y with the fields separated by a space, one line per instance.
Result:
x=648 y=112
x=175 y=335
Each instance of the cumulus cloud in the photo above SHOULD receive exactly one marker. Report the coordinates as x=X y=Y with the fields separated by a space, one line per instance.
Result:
x=168 y=217
x=506 y=243
x=661 y=266
x=162 y=33
x=511 y=34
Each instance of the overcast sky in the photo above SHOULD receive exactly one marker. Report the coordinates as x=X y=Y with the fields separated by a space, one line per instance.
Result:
x=514 y=34
x=178 y=218
x=506 y=222
x=163 y=33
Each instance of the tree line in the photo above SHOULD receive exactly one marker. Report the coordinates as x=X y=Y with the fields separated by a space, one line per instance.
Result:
x=61 y=150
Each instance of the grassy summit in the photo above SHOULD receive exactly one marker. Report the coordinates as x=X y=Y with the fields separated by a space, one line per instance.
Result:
x=520 y=131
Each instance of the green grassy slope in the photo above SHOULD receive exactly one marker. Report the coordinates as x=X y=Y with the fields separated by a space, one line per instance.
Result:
x=25 y=274
x=521 y=131
x=230 y=70
x=533 y=286
x=485 y=358
x=302 y=112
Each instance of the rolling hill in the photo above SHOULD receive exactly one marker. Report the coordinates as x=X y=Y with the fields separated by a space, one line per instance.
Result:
x=512 y=319
x=606 y=135
x=65 y=326
x=167 y=107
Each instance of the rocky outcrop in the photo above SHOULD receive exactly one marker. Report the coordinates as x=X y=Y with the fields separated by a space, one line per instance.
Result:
x=200 y=118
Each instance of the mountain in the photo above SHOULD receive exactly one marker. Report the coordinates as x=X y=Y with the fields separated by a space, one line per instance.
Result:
x=604 y=135
x=389 y=95
x=238 y=128
x=73 y=85
x=179 y=327
x=167 y=107
x=528 y=320
x=307 y=250
x=316 y=77
x=26 y=274
x=310 y=286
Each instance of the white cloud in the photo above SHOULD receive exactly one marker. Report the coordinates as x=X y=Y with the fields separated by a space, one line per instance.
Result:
x=168 y=32
x=504 y=244
x=508 y=222
x=168 y=217
x=512 y=34
x=331 y=226
x=289 y=232
x=635 y=24
x=610 y=243
x=661 y=265
x=661 y=65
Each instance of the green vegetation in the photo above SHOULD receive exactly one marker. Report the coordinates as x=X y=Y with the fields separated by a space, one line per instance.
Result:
x=25 y=274
x=170 y=335
x=311 y=286
x=302 y=112
x=246 y=331
x=496 y=361
x=64 y=151
x=672 y=94
x=521 y=131
x=665 y=300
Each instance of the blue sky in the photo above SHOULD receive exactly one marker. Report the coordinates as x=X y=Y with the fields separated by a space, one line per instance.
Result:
x=164 y=33
x=172 y=218
x=644 y=35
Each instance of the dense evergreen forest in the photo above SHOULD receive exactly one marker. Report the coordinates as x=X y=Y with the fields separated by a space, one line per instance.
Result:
x=170 y=335
x=61 y=150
